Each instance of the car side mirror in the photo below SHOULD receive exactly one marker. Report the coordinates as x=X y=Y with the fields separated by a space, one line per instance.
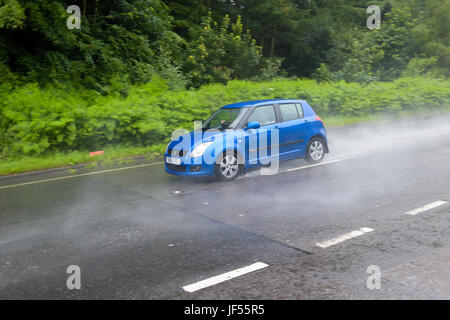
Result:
x=253 y=125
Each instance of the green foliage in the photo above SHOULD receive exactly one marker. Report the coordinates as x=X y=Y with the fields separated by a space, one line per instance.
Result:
x=356 y=56
x=423 y=66
x=191 y=43
x=270 y=69
x=11 y=14
x=221 y=52
x=131 y=40
x=34 y=121
x=413 y=40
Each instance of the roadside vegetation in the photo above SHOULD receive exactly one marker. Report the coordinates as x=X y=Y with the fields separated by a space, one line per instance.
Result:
x=42 y=128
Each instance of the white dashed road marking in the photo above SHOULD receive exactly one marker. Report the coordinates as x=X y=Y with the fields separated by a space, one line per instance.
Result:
x=224 y=277
x=426 y=208
x=344 y=237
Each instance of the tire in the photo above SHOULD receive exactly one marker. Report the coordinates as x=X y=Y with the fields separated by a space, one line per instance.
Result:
x=227 y=166
x=315 y=151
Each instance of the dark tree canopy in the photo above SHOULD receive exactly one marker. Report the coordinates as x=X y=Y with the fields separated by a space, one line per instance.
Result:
x=193 y=42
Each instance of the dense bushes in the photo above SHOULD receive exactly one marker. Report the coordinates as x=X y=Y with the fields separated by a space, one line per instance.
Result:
x=35 y=120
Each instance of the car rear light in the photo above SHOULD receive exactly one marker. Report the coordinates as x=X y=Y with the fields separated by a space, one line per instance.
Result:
x=319 y=119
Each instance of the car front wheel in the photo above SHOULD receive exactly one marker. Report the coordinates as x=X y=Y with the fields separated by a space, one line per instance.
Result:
x=228 y=167
x=315 y=152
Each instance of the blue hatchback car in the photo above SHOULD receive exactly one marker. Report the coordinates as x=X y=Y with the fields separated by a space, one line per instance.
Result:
x=244 y=135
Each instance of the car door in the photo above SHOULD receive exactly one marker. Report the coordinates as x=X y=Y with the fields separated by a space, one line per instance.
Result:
x=293 y=131
x=259 y=141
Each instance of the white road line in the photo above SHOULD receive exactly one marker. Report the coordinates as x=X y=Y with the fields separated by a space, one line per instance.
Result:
x=145 y=165
x=224 y=277
x=320 y=164
x=426 y=208
x=344 y=237
x=79 y=175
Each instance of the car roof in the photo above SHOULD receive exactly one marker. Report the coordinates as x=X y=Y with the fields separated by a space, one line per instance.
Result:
x=245 y=104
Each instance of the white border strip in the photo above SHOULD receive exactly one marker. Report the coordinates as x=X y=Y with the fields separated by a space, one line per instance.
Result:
x=426 y=208
x=79 y=175
x=344 y=237
x=224 y=277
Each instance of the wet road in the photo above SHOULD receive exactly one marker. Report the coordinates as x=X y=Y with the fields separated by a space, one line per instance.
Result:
x=139 y=233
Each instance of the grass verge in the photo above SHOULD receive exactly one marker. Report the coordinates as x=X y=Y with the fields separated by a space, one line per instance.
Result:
x=113 y=155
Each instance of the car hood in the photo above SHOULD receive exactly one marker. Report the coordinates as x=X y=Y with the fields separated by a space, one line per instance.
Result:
x=188 y=140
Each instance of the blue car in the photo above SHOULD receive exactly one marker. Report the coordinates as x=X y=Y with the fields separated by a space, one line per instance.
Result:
x=245 y=135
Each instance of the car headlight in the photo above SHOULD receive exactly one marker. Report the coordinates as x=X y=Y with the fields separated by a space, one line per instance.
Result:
x=200 y=149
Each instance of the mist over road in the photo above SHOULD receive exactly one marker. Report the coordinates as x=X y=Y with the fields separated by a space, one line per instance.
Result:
x=380 y=198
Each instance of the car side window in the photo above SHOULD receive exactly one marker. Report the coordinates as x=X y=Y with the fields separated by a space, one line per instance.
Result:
x=300 y=110
x=264 y=115
x=288 y=111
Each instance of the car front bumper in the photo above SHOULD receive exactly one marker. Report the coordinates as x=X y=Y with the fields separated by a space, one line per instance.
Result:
x=188 y=169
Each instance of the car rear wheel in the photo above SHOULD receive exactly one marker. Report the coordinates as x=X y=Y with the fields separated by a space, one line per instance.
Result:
x=228 y=167
x=315 y=152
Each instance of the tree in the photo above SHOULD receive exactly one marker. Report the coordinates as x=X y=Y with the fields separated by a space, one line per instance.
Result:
x=221 y=52
x=12 y=14
x=119 y=40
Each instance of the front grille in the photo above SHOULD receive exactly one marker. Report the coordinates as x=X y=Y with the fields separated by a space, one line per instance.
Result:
x=195 y=168
x=174 y=167
x=177 y=153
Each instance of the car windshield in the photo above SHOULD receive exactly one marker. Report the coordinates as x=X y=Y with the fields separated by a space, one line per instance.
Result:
x=225 y=118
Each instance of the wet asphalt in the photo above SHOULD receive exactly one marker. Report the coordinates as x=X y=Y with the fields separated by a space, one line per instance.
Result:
x=139 y=233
